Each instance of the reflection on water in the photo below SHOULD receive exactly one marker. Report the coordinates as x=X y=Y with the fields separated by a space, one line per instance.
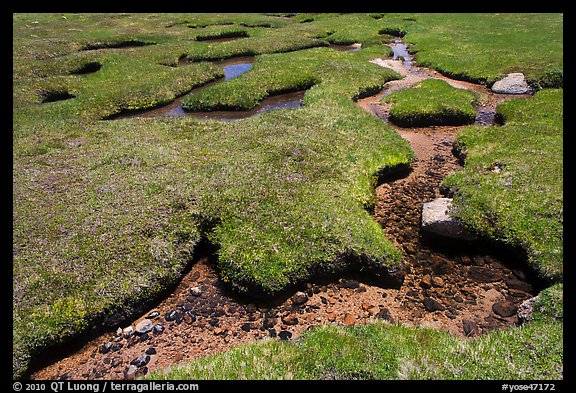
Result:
x=400 y=50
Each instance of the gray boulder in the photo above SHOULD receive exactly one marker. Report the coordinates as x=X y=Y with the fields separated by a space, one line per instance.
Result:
x=514 y=83
x=437 y=220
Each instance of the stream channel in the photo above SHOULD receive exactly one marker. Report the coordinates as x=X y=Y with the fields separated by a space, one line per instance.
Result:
x=466 y=289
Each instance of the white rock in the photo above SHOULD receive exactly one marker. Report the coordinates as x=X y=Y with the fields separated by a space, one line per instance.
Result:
x=144 y=326
x=514 y=83
x=128 y=331
x=436 y=219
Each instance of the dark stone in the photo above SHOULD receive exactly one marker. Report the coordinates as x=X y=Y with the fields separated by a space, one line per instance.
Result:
x=351 y=284
x=189 y=317
x=214 y=321
x=106 y=348
x=426 y=282
x=268 y=323
x=272 y=333
x=470 y=328
x=195 y=291
x=285 y=335
x=504 y=309
x=144 y=337
x=432 y=305
x=151 y=351
x=186 y=306
x=384 y=313
x=116 y=347
x=514 y=283
x=219 y=312
x=174 y=315
x=158 y=329
x=290 y=319
x=153 y=314
x=483 y=274
x=246 y=327
x=299 y=298
x=140 y=361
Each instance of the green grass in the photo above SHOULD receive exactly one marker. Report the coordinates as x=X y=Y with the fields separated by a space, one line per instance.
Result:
x=107 y=213
x=482 y=48
x=511 y=187
x=432 y=102
x=382 y=351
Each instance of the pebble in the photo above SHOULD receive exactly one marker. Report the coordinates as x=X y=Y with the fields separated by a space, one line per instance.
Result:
x=351 y=284
x=504 y=309
x=432 y=305
x=470 y=328
x=141 y=360
x=285 y=335
x=144 y=326
x=128 y=332
x=290 y=319
x=299 y=298
x=196 y=291
x=349 y=319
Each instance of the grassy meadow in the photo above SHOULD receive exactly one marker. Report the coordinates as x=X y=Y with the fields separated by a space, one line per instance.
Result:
x=107 y=213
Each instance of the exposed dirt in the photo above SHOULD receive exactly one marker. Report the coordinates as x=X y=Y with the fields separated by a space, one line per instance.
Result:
x=467 y=290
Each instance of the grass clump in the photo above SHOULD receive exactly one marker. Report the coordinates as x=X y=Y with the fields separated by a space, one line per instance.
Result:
x=432 y=102
x=510 y=198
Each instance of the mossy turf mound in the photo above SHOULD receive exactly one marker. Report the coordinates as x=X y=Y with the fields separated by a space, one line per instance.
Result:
x=432 y=102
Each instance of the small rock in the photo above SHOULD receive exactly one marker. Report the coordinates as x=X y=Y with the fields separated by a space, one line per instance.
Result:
x=470 y=328
x=299 y=298
x=272 y=333
x=151 y=351
x=504 y=309
x=458 y=299
x=196 y=291
x=290 y=319
x=174 y=315
x=285 y=335
x=432 y=305
x=426 y=282
x=153 y=314
x=349 y=319
x=127 y=332
x=331 y=316
x=119 y=332
x=130 y=372
x=158 y=329
x=268 y=323
x=384 y=314
x=437 y=282
x=513 y=83
x=437 y=220
x=483 y=274
x=246 y=327
x=106 y=348
x=144 y=326
x=217 y=331
x=189 y=317
x=368 y=307
x=351 y=284
x=514 y=283
x=141 y=360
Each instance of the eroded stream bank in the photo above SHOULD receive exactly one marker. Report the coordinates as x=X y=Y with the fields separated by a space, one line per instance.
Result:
x=467 y=291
